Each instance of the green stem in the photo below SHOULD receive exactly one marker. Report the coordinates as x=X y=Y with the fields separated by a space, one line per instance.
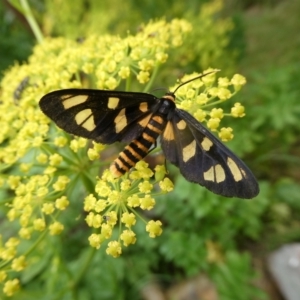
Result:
x=31 y=20
x=41 y=237
x=150 y=82
x=128 y=83
x=213 y=103
x=84 y=266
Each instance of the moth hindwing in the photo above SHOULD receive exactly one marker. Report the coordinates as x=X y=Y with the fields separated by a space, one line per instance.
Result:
x=139 y=119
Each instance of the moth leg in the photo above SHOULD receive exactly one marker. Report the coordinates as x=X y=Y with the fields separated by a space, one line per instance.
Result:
x=166 y=167
x=153 y=148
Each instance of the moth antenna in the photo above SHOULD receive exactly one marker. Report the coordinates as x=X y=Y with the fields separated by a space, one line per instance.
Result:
x=159 y=89
x=197 y=77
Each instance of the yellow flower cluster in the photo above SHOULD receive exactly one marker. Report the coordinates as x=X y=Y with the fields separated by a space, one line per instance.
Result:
x=207 y=95
x=42 y=165
x=116 y=202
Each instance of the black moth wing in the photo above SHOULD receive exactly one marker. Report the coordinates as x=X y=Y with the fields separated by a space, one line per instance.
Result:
x=203 y=159
x=100 y=115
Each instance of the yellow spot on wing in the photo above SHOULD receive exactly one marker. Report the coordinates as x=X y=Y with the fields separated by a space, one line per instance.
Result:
x=209 y=175
x=181 y=125
x=121 y=121
x=143 y=106
x=215 y=174
x=73 y=101
x=168 y=132
x=206 y=144
x=220 y=173
x=236 y=172
x=85 y=119
x=189 y=151
x=143 y=122
x=63 y=97
x=113 y=102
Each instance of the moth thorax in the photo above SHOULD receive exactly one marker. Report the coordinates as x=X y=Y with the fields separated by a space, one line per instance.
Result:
x=167 y=105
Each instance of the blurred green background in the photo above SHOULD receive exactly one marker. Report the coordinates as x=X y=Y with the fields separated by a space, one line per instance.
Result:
x=226 y=239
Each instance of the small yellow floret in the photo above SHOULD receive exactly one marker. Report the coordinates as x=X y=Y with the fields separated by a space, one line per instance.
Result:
x=19 y=263
x=128 y=237
x=39 y=224
x=147 y=202
x=145 y=187
x=95 y=240
x=217 y=113
x=11 y=287
x=238 y=111
x=166 y=185
x=133 y=201
x=143 y=77
x=48 y=208
x=89 y=202
x=225 y=134
x=62 y=203
x=56 y=228
x=154 y=228
x=60 y=141
x=93 y=154
x=102 y=189
x=213 y=123
x=128 y=219
x=114 y=249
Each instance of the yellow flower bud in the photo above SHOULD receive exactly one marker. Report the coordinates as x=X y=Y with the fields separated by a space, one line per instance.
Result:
x=114 y=249
x=128 y=219
x=154 y=228
x=56 y=228
x=128 y=237
x=147 y=202
x=225 y=134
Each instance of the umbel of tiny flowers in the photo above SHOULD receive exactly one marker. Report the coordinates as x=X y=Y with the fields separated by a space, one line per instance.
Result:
x=200 y=96
x=116 y=202
x=43 y=168
x=117 y=199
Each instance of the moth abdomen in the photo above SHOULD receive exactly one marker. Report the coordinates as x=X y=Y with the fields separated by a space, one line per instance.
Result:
x=139 y=147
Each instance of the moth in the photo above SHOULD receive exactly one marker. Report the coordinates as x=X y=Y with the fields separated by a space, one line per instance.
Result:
x=20 y=88
x=139 y=119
